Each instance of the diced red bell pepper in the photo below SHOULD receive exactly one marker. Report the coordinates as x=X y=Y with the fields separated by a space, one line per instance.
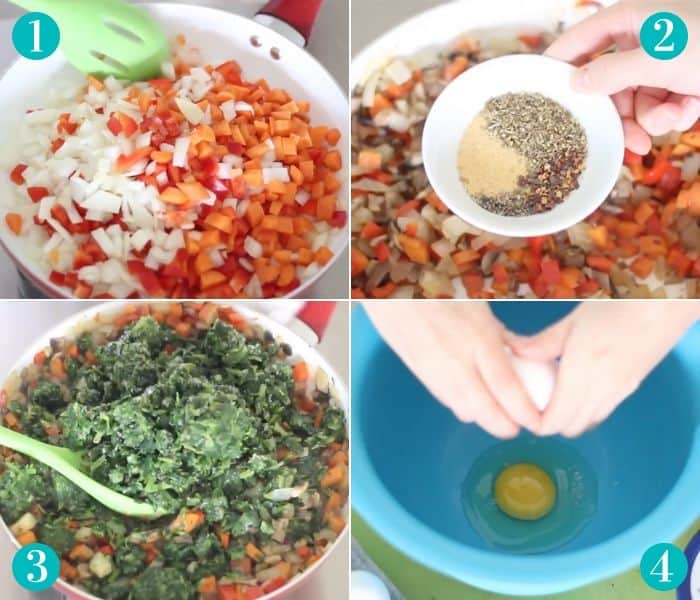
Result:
x=16 y=174
x=670 y=181
x=235 y=148
x=161 y=84
x=82 y=259
x=127 y=124
x=82 y=290
x=149 y=279
x=253 y=593
x=37 y=193
x=551 y=274
x=500 y=273
x=679 y=261
x=653 y=175
x=59 y=213
x=228 y=592
x=237 y=187
x=57 y=278
x=537 y=243
x=339 y=218
x=114 y=125
x=274 y=584
x=632 y=158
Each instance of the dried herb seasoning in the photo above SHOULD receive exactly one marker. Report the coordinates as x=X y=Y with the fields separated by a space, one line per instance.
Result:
x=522 y=155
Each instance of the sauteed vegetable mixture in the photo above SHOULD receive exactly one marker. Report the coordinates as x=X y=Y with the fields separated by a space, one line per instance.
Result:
x=643 y=242
x=194 y=409
x=200 y=184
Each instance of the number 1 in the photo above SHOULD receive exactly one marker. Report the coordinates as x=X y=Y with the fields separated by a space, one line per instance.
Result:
x=667 y=34
x=664 y=574
x=36 y=25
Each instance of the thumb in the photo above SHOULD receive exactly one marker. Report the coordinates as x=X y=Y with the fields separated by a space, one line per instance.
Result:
x=614 y=72
x=544 y=346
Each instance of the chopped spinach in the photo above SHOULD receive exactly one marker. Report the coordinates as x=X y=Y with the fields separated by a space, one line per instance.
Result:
x=207 y=422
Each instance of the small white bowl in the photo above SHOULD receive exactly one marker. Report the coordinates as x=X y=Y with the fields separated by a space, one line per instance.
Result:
x=465 y=97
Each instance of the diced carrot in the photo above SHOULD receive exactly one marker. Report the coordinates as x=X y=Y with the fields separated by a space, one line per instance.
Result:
x=629 y=229
x=207 y=585
x=325 y=208
x=173 y=195
x=95 y=83
x=642 y=267
x=14 y=222
x=26 y=538
x=643 y=212
x=371 y=230
x=67 y=571
x=370 y=160
x=211 y=278
x=652 y=245
x=57 y=368
x=323 y=255
x=333 y=477
x=333 y=160
x=81 y=552
x=465 y=257
x=253 y=552
x=300 y=372
x=415 y=248
x=383 y=291
x=188 y=520
x=333 y=136
x=219 y=221
x=599 y=235
x=287 y=275
x=531 y=40
x=600 y=263
x=203 y=263
x=380 y=103
x=456 y=67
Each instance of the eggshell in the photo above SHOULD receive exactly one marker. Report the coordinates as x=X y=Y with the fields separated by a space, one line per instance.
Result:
x=367 y=586
x=538 y=379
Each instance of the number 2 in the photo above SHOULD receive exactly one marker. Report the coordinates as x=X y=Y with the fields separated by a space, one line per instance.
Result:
x=668 y=24
x=43 y=573
x=36 y=25
x=664 y=574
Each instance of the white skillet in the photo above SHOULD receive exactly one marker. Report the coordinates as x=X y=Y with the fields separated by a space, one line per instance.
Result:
x=220 y=36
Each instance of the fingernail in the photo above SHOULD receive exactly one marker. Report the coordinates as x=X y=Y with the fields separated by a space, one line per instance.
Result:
x=581 y=79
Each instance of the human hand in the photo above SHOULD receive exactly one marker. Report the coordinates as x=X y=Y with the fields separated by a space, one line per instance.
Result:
x=652 y=96
x=457 y=350
x=606 y=350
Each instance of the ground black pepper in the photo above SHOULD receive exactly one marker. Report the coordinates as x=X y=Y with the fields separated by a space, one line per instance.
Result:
x=550 y=139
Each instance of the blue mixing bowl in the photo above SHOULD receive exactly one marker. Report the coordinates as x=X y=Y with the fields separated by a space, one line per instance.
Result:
x=410 y=457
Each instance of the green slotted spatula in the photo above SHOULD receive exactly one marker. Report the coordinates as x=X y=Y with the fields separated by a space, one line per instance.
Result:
x=67 y=463
x=106 y=37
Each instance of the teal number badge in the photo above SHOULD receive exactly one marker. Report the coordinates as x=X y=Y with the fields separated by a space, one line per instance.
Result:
x=36 y=36
x=664 y=35
x=35 y=567
x=664 y=567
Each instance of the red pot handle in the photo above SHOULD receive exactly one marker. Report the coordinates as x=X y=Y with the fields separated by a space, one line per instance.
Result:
x=317 y=315
x=298 y=14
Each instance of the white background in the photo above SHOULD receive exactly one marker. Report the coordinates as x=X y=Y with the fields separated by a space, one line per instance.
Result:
x=329 y=44
x=21 y=322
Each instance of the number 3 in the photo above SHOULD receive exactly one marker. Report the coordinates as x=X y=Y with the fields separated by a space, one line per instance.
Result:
x=43 y=573
x=668 y=32
x=36 y=25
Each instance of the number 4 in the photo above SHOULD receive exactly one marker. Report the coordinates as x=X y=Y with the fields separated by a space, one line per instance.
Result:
x=664 y=573
x=36 y=25
x=668 y=32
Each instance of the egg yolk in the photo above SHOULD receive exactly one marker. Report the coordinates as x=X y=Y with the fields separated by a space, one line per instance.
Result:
x=525 y=491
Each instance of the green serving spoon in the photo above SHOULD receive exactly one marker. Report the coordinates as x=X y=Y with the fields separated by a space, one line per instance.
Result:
x=67 y=463
x=106 y=37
